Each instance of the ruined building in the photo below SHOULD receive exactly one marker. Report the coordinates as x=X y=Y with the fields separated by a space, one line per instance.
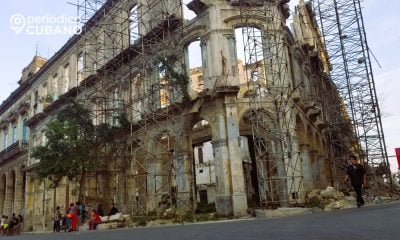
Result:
x=247 y=129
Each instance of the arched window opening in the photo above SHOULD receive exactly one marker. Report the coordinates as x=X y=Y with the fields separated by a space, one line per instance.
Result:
x=187 y=13
x=133 y=25
x=204 y=164
x=194 y=66
x=250 y=56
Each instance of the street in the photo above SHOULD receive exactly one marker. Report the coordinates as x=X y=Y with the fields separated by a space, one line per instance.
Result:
x=369 y=222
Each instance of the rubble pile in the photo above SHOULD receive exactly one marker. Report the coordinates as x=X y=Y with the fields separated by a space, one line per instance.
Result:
x=330 y=199
x=114 y=221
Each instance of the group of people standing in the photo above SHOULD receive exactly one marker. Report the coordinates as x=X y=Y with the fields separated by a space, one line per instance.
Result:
x=12 y=225
x=70 y=221
x=76 y=214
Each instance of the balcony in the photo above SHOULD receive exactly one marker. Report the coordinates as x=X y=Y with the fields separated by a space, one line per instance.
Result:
x=20 y=146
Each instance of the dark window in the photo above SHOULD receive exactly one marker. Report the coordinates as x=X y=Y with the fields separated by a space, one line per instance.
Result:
x=203 y=196
x=295 y=195
x=36 y=96
x=200 y=154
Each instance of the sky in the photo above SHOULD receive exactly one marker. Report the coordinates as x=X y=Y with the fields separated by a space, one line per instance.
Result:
x=382 y=23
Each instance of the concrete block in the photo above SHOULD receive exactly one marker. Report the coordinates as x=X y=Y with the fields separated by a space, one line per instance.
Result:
x=239 y=202
x=127 y=218
x=223 y=204
x=104 y=219
x=111 y=225
x=281 y=212
x=116 y=218
x=329 y=192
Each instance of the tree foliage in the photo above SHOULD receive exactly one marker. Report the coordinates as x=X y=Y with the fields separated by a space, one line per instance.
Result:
x=74 y=146
x=174 y=75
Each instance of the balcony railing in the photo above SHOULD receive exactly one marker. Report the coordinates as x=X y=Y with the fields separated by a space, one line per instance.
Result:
x=16 y=148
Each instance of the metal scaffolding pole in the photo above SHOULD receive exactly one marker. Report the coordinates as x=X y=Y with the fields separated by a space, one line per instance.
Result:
x=343 y=30
x=130 y=64
x=268 y=80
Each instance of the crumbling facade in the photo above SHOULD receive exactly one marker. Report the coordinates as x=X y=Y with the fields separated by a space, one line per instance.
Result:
x=239 y=133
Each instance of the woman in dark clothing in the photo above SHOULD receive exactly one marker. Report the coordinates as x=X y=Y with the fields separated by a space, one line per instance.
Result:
x=100 y=210
x=113 y=210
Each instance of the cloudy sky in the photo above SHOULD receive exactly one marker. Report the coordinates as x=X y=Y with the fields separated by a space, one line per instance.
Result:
x=382 y=20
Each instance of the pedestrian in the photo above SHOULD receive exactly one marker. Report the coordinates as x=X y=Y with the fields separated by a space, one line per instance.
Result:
x=6 y=225
x=356 y=173
x=2 y=222
x=78 y=209
x=75 y=216
x=13 y=222
x=113 y=210
x=100 y=210
x=82 y=211
x=18 y=227
x=94 y=220
x=57 y=219
x=70 y=213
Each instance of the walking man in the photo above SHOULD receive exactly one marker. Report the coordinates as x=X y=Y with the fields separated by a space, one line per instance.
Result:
x=356 y=173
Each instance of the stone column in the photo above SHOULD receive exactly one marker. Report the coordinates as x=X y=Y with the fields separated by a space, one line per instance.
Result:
x=18 y=192
x=29 y=203
x=9 y=197
x=34 y=204
x=73 y=62
x=139 y=179
x=183 y=174
x=294 y=183
x=280 y=185
x=48 y=210
x=230 y=184
x=306 y=168
x=154 y=178
x=239 y=198
x=2 y=196
x=218 y=51
x=223 y=202
x=313 y=155
x=323 y=166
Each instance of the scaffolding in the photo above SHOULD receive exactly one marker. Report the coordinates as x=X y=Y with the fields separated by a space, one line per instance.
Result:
x=334 y=116
x=342 y=26
x=268 y=79
x=128 y=63
x=162 y=161
x=100 y=52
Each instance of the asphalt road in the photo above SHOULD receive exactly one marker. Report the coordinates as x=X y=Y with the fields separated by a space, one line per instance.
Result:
x=379 y=222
